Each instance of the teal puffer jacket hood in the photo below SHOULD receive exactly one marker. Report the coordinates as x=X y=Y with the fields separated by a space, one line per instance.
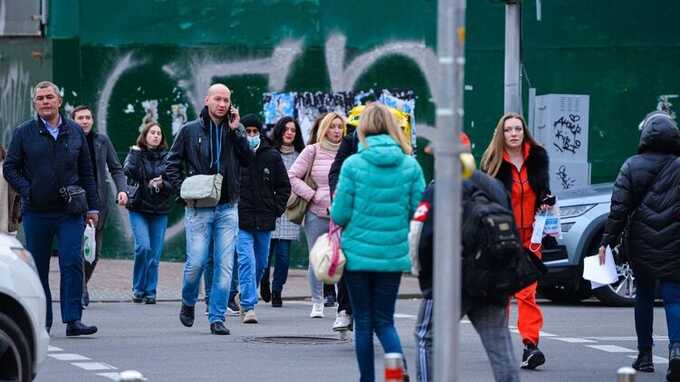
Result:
x=378 y=191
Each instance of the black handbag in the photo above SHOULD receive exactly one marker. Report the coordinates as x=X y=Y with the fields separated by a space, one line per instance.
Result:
x=75 y=198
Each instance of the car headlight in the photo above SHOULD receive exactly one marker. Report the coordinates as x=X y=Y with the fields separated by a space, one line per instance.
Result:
x=574 y=211
x=26 y=256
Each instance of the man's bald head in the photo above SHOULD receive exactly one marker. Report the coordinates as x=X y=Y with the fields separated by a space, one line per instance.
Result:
x=218 y=101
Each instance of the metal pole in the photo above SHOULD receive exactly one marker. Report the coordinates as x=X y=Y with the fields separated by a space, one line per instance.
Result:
x=449 y=121
x=512 y=100
x=625 y=374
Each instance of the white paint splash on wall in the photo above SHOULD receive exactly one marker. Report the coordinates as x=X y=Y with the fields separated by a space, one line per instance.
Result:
x=150 y=112
x=15 y=96
x=124 y=64
x=179 y=116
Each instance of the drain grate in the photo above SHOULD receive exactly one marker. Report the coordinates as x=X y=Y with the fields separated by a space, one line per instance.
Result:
x=296 y=340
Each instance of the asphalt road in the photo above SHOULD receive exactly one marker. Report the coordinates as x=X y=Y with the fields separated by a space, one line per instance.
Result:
x=582 y=343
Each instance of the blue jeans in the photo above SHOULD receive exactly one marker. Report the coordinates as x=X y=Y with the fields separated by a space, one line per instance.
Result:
x=149 y=235
x=373 y=296
x=39 y=230
x=202 y=226
x=645 y=292
x=207 y=278
x=253 y=251
x=280 y=249
x=670 y=293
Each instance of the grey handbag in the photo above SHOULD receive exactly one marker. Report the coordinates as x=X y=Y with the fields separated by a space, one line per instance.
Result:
x=202 y=190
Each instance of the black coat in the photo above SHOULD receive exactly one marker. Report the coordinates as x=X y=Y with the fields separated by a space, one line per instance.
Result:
x=425 y=214
x=37 y=165
x=538 y=171
x=648 y=188
x=140 y=167
x=192 y=154
x=265 y=190
x=348 y=146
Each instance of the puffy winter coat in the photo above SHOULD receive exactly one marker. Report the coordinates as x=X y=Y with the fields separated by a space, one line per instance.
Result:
x=378 y=192
x=140 y=167
x=264 y=190
x=320 y=159
x=647 y=190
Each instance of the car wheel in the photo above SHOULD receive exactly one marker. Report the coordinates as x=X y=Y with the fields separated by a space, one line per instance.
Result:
x=15 y=354
x=621 y=293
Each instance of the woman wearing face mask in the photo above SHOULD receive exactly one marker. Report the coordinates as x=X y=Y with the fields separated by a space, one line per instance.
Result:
x=287 y=139
x=264 y=193
x=318 y=157
x=148 y=206
x=518 y=161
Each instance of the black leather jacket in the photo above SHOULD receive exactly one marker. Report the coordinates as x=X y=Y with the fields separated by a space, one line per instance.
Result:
x=192 y=154
x=140 y=167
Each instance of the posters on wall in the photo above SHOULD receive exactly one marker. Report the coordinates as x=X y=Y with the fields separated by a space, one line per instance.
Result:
x=561 y=126
x=306 y=107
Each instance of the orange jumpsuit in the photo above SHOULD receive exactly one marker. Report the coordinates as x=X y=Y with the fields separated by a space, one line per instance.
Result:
x=523 y=199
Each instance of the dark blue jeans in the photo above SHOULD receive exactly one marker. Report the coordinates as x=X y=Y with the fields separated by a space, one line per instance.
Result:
x=280 y=250
x=644 y=310
x=149 y=236
x=39 y=230
x=373 y=296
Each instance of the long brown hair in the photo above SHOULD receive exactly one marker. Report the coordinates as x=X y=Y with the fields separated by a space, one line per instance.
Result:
x=493 y=155
x=141 y=140
x=378 y=119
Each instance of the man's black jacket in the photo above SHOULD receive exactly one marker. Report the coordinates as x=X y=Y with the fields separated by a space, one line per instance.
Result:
x=348 y=146
x=37 y=165
x=425 y=213
x=192 y=154
x=265 y=190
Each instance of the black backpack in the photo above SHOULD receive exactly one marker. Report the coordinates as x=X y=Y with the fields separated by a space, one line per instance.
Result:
x=495 y=265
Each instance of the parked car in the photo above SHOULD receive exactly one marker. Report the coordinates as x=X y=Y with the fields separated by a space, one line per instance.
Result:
x=584 y=214
x=23 y=338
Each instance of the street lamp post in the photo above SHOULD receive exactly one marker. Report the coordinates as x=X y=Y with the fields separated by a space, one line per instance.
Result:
x=449 y=120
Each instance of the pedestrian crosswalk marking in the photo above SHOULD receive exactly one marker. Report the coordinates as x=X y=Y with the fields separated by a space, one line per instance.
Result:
x=53 y=348
x=401 y=315
x=92 y=366
x=111 y=376
x=545 y=334
x=69 y=357
x=573 y=340
x=657 y=359
x=625 y=338
x=612 y=348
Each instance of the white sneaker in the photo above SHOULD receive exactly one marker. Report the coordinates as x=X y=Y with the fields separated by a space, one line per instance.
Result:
x=317 y=311
x=343 y=321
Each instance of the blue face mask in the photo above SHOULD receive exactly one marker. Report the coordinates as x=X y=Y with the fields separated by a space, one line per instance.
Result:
x=254 y=142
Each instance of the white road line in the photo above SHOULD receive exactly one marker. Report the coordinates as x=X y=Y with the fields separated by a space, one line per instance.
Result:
x=657 y=359
x=545 y=334
x=625 y=338
x=53 y=348
x=612 y=348
x=401 y=315
x=573 y=340
x=93 y=366
x=111 y=376
x=68 y=357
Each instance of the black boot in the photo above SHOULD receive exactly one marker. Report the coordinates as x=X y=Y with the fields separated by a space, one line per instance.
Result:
x=644 y=361
x=77 y=328
x=219 y=329
x=276 y=299
x=673 y=374
x=265 y=292
x=186 y=315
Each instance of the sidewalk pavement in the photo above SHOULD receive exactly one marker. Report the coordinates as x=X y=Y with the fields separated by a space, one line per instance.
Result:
x=112 y=282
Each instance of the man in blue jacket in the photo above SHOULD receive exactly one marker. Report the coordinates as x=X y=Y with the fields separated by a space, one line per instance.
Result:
x=48 y=156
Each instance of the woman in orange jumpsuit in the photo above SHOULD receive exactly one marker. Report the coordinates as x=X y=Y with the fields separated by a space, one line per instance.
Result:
x=517 y=160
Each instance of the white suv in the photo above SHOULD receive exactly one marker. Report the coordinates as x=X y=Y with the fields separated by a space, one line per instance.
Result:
x=23 y=338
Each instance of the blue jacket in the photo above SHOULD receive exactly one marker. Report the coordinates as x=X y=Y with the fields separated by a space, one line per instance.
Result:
x=37 y=165
x=378 y=192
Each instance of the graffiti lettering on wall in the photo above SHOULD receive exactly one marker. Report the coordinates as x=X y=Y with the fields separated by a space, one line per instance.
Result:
x=567 y=133
x=566 y=181
x=664 y=104
x=193 y=75
x=15 y=90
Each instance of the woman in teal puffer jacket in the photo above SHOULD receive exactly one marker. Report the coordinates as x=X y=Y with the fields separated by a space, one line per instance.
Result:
x=378 y=192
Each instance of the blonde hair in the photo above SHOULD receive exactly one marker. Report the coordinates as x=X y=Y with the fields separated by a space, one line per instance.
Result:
x=378 y=119
x=493 y=155
x=326 y=124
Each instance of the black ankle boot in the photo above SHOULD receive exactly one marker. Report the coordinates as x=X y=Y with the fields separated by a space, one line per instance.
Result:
x=276 y=299
x=265 y=292
x=644 y=362
x=673 y=373
x=77 y=328
x=186 y=315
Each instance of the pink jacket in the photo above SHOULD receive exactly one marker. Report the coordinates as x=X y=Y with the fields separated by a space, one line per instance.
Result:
x=319 y=200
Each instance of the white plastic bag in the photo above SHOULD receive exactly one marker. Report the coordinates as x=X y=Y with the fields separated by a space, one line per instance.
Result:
x=553 y=225
x=89 y=244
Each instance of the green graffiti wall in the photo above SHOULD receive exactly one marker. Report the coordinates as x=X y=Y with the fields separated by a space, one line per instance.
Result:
x=129 y=58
